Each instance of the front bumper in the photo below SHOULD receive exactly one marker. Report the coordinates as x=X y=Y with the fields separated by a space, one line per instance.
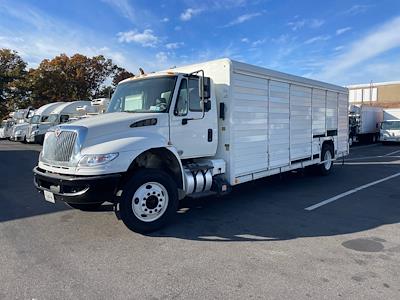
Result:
x=77 y=189
x=35 y=138
x=18 y=138
x=390 y=139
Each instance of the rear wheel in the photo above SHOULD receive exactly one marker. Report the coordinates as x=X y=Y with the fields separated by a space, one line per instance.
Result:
x=374 y=139
x=149 y=200
x=327 y=157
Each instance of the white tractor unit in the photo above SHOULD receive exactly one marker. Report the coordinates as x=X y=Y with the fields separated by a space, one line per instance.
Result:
x=192 y=131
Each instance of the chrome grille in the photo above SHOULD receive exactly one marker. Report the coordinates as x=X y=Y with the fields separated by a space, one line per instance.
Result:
x=59 y=148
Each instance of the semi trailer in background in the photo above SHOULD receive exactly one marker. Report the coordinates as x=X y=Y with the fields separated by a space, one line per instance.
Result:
x=192 y=131
x=364 y=123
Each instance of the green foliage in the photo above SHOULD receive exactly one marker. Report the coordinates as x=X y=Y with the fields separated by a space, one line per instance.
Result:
x=12 y=74
x=62 y=78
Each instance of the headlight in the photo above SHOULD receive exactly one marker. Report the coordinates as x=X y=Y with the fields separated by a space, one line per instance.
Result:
x=18 y=132
x=91 y=160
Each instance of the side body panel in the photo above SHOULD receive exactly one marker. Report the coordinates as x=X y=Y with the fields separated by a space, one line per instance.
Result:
x=370 y=118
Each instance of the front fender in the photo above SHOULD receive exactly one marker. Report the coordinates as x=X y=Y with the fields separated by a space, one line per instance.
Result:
x=129 y=148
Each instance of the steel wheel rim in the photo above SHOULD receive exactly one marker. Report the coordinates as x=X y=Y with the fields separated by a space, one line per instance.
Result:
x=328 y=160
x=150 y=201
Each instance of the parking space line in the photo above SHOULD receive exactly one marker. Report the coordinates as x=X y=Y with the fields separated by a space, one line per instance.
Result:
x=315 y=206
x=391 y=153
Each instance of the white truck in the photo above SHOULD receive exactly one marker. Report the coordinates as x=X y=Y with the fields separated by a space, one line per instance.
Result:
x=390 y=114
x=38 y=120
x=97 y=106
x=60 y=113
x=192 y=130
x=6 y=128
x=390 y=131
x=22 y=118
x=364 y=122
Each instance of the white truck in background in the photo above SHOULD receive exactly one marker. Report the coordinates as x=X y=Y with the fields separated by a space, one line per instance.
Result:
x=6 y=128
x=364 y=123
x=60 y=114
x=390 y=131
x=192 y=131
x=391 y=114
x=38 y=123
x=97 y=106
x=22 y=118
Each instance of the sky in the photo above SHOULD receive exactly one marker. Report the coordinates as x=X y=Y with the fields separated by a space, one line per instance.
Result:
x=342 y=42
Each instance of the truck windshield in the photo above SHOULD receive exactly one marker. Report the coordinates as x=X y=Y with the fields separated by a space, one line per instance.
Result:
x=35 y=119
x=143 y=95
x=391 y=125
x=52 y=118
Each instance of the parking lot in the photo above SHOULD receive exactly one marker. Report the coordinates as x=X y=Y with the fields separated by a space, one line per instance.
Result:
x=292 y=236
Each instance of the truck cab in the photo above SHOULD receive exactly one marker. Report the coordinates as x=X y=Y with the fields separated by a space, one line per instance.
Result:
x=154 y=125
x=61 y=112
x=390 y=131
x=6 y=128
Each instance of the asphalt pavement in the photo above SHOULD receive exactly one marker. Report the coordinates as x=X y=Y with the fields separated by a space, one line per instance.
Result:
x=259 y=242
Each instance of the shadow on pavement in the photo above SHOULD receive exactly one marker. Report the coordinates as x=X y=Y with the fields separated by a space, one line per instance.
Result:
x=265 y=210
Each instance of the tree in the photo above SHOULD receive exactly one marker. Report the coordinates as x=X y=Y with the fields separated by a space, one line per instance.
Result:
x=120 y=74
x=12 y=74
x=68 y=78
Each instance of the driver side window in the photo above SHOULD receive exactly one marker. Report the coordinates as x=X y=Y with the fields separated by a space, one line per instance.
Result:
x=181 y=107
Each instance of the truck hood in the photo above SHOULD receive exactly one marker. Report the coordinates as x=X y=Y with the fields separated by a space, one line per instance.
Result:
x=111 y=123
x=21 y=126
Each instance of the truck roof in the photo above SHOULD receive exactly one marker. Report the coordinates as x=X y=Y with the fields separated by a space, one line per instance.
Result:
x=262 y=72
x=47 y=108
x=69 y=107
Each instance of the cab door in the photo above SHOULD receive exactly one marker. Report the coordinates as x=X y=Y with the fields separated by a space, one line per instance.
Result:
x=192 y=134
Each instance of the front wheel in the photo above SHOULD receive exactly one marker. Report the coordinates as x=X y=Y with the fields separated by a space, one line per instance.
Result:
x=327 y=157
x=149 y=200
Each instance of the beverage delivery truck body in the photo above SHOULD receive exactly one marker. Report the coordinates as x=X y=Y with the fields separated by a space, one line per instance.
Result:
x=192 y=130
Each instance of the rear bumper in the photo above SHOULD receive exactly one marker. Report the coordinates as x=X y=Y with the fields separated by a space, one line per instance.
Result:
x=77 y=189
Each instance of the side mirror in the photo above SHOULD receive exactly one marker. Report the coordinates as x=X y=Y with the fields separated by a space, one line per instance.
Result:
x=207 y=87
x=204 y=87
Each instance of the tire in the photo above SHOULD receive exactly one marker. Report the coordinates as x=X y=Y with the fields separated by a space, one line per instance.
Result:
x=373 y=138
x=326 y=153
x=149 y=200
x=85 y=207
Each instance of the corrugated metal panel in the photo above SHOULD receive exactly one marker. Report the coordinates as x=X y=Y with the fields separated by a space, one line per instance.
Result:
x=279 y=124
x=318 y=111
x=331 y=110
x=300 y=122
x=250 y=117
x=343 y=124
